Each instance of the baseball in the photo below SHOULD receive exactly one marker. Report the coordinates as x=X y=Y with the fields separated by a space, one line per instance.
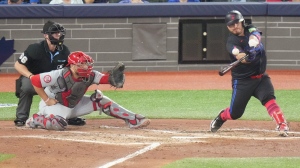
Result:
x=235 y=51
x=204 y=33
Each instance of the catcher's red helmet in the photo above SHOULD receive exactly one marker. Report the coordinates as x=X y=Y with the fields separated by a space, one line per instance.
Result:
x=83 y=62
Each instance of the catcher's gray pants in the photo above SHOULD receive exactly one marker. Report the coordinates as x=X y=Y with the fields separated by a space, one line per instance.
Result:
x=25 y=100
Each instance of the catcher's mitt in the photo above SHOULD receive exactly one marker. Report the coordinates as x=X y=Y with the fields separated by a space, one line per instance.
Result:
x=116 y=76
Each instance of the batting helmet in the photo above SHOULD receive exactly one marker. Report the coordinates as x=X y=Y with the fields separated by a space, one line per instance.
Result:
x=83 y=62
x=233 y=17
x=51 y=28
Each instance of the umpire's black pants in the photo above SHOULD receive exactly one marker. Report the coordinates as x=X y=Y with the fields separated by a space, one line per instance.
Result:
x=25 y=99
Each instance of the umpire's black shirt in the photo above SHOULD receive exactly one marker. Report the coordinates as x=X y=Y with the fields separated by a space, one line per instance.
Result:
x=38 y=58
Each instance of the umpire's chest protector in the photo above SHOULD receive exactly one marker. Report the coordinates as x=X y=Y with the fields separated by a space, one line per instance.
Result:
x=73 y=90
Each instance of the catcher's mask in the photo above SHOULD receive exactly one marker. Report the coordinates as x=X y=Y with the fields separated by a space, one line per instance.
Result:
x=56 y=33
x=83 y=62
x=234 y=17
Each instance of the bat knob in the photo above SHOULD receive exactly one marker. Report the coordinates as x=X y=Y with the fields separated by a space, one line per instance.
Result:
x=221 y=74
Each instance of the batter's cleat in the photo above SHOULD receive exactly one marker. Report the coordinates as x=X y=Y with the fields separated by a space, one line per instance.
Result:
x=217 y=123
x=76 y=121
x=139 y=122
x=283 y=129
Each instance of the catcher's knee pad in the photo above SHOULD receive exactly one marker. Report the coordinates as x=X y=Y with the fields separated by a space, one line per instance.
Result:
x=97 y=96
x=105 y=104
x=55 y=122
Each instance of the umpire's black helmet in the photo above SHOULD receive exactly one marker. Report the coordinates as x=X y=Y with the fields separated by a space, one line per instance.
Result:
x=233 y=17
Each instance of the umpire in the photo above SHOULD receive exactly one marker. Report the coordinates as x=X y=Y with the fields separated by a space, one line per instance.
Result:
x=50 y=54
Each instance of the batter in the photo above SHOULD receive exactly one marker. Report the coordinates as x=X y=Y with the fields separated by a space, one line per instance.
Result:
x=250 y=77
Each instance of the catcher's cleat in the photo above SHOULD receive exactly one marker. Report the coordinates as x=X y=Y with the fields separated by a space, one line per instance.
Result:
x=35 y=121
x=139 y=122
x=29 y=123
x=283 y=129
x=76 y=121
x=217 y=123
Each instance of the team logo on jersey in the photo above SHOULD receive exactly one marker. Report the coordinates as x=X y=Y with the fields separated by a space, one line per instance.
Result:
x=23 y=58
x=47 y=78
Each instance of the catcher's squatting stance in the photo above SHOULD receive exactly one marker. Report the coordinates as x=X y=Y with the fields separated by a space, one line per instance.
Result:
x=63 y=96
x=248 y=78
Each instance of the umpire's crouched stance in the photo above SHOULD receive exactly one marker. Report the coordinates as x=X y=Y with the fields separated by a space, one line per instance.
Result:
x=50 y=54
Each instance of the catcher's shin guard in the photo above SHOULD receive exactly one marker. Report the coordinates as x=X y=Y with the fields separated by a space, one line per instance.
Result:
x=57 y=123
x=282 y=126
x=113 y=109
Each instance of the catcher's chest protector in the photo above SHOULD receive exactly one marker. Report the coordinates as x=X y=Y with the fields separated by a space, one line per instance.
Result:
x=74 y=90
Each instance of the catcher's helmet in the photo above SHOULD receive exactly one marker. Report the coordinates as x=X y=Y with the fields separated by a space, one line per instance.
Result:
x=53 y=27
x=83 y=62
x=233 y=17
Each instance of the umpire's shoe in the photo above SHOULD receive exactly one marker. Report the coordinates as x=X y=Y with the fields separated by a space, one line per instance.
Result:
x=19 y=123
x=217 y=123
x=76 y=121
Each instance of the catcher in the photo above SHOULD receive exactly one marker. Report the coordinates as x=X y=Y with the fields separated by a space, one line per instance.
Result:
x=63 y=96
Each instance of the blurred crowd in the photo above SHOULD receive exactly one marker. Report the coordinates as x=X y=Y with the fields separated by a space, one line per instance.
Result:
x=11 y=2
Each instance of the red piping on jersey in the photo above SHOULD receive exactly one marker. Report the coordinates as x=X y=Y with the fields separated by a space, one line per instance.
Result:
x=36 y=81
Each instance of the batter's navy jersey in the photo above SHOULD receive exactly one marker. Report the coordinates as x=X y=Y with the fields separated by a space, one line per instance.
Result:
x=38 y=59
x=256 y=67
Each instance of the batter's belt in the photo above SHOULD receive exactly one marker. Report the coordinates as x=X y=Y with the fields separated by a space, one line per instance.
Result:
x=257 y=76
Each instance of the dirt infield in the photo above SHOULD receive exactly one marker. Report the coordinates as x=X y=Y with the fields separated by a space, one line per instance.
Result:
x=109 y=143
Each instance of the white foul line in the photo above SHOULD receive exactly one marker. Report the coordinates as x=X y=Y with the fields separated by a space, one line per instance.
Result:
x=150 y=147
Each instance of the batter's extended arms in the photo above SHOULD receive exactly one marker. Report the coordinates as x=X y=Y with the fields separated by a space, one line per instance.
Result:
x=232 y=65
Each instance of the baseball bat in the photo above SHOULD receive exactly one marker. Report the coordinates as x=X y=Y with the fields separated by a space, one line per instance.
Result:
x=232 y=65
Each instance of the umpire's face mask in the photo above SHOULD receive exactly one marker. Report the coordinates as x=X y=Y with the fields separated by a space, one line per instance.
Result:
x=56 y=34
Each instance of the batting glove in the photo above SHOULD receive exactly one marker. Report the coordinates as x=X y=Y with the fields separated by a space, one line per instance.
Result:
x=252 y=54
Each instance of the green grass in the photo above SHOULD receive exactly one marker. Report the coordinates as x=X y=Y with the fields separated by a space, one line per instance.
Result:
x=274 y=162
x=193 y=104
x=5 y=156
